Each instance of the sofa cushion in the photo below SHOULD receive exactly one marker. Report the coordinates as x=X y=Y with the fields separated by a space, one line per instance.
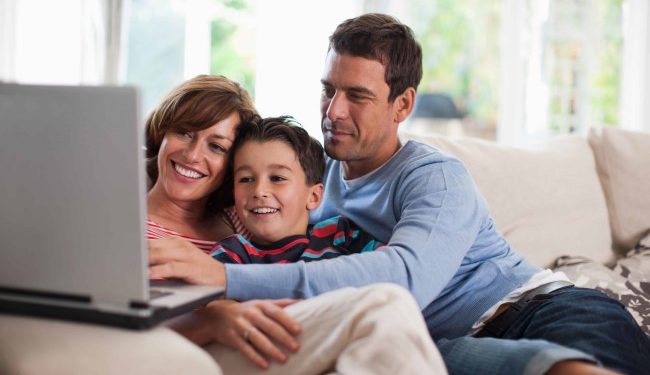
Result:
x=46 y=346
x=546 y=200
x=626 y=283
x=623 y=162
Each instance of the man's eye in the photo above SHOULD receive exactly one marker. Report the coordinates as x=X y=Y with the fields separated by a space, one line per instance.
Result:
x=356 y=97
x=328 y=92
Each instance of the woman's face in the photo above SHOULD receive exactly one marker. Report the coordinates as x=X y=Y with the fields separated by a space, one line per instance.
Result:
x=191 y=165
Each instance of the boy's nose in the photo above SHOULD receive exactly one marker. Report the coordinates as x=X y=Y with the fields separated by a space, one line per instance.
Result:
x=261 y=190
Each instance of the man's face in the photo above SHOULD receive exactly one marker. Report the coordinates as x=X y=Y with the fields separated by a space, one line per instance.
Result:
x=359 y=124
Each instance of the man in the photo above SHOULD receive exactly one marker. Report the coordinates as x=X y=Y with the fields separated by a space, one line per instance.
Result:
x=441 y=241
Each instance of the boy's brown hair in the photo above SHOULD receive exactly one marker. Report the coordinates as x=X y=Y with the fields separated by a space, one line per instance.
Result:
x=286 y=129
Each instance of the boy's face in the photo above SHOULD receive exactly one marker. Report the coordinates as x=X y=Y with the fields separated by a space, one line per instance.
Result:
x=272 y=197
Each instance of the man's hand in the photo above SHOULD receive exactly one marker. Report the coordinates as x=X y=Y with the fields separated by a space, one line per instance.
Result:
x=176 y=258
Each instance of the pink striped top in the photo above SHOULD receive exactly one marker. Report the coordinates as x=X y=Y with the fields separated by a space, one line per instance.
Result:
x=156 y=231
x=237 y=225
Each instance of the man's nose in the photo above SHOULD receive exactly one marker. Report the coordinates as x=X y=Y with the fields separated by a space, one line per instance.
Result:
x=337 y=108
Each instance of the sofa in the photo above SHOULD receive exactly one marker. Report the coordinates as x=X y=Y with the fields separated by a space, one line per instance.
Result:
x=577 y=204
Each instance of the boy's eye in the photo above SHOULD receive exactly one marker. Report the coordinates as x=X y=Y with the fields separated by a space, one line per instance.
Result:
x=277 y=178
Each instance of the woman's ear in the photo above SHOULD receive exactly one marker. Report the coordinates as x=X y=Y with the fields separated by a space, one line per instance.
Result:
x=315 y=196
x=404 y=104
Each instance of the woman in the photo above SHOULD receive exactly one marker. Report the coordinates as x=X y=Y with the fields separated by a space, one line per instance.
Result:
x=188 y=138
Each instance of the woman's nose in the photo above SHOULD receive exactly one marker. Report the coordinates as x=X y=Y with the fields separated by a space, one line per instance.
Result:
x=192 y=152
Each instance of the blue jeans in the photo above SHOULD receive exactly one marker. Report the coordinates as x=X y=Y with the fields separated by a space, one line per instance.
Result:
x=570 y=323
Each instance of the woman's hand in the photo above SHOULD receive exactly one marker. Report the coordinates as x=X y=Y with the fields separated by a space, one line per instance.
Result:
x=177 y=258
x=259 y=329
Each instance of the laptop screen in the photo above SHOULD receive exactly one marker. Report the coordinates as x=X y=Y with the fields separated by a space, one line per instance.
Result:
x=72 y=197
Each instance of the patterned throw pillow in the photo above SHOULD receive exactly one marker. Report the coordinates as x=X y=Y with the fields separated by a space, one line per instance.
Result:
x=628 y=282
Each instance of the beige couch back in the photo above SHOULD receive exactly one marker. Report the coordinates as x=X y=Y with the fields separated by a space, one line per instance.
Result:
x=546 y=200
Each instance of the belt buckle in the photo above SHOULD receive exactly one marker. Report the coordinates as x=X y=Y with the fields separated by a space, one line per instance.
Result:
x=545 y=289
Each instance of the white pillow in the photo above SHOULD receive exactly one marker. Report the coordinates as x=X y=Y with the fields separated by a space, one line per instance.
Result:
x=546 y=200
x=623 y=160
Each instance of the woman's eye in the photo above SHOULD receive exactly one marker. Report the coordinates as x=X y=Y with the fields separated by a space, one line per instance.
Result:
x=218 y=148
x=184 y=134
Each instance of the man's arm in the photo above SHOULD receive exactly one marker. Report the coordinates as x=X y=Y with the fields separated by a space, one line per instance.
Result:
x=441 y=215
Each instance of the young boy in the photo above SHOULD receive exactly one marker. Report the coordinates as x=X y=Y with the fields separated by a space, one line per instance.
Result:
x=278 y=169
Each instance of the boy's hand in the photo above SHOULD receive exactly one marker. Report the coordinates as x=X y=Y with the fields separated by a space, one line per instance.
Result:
x=176 y=258
x=259 y=329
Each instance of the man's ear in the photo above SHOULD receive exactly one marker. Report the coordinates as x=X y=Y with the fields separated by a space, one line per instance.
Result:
x=404 y=105
x=315 y=196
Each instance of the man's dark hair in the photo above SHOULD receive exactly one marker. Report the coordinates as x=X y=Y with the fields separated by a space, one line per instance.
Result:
x=285 y=129
x=382 y=38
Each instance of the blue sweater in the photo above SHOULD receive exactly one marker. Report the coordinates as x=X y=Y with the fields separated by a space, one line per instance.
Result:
x=442 y=244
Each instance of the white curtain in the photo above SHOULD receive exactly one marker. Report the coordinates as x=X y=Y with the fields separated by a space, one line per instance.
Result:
x=60 y=42
x=635 y=87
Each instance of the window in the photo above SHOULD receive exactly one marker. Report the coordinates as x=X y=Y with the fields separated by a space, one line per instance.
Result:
x=512 y=70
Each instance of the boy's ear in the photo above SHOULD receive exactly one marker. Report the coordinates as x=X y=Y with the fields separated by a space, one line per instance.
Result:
x=404 y=105
x=315 y=196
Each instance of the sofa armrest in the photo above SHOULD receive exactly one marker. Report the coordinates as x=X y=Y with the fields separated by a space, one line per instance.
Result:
x=42 y=346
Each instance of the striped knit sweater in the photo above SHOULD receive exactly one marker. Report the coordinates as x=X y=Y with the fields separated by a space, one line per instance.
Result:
x=327 y=239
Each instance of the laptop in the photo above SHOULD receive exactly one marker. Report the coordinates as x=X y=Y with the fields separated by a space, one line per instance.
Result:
x=73 y=210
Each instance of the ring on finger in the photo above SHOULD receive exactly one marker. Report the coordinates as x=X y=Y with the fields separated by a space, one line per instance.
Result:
x=247 y=334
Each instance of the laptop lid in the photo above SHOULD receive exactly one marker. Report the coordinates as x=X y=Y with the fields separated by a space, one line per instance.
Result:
x=72 y=208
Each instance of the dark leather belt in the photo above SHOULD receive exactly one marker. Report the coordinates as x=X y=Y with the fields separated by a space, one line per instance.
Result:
x=502 y=320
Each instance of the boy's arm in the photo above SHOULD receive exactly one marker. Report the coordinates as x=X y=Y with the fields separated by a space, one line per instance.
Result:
x=441 y=214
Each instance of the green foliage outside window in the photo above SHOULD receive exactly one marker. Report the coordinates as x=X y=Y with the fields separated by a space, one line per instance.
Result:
x=606 y=80
x=233 y=41
x=461 y=52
